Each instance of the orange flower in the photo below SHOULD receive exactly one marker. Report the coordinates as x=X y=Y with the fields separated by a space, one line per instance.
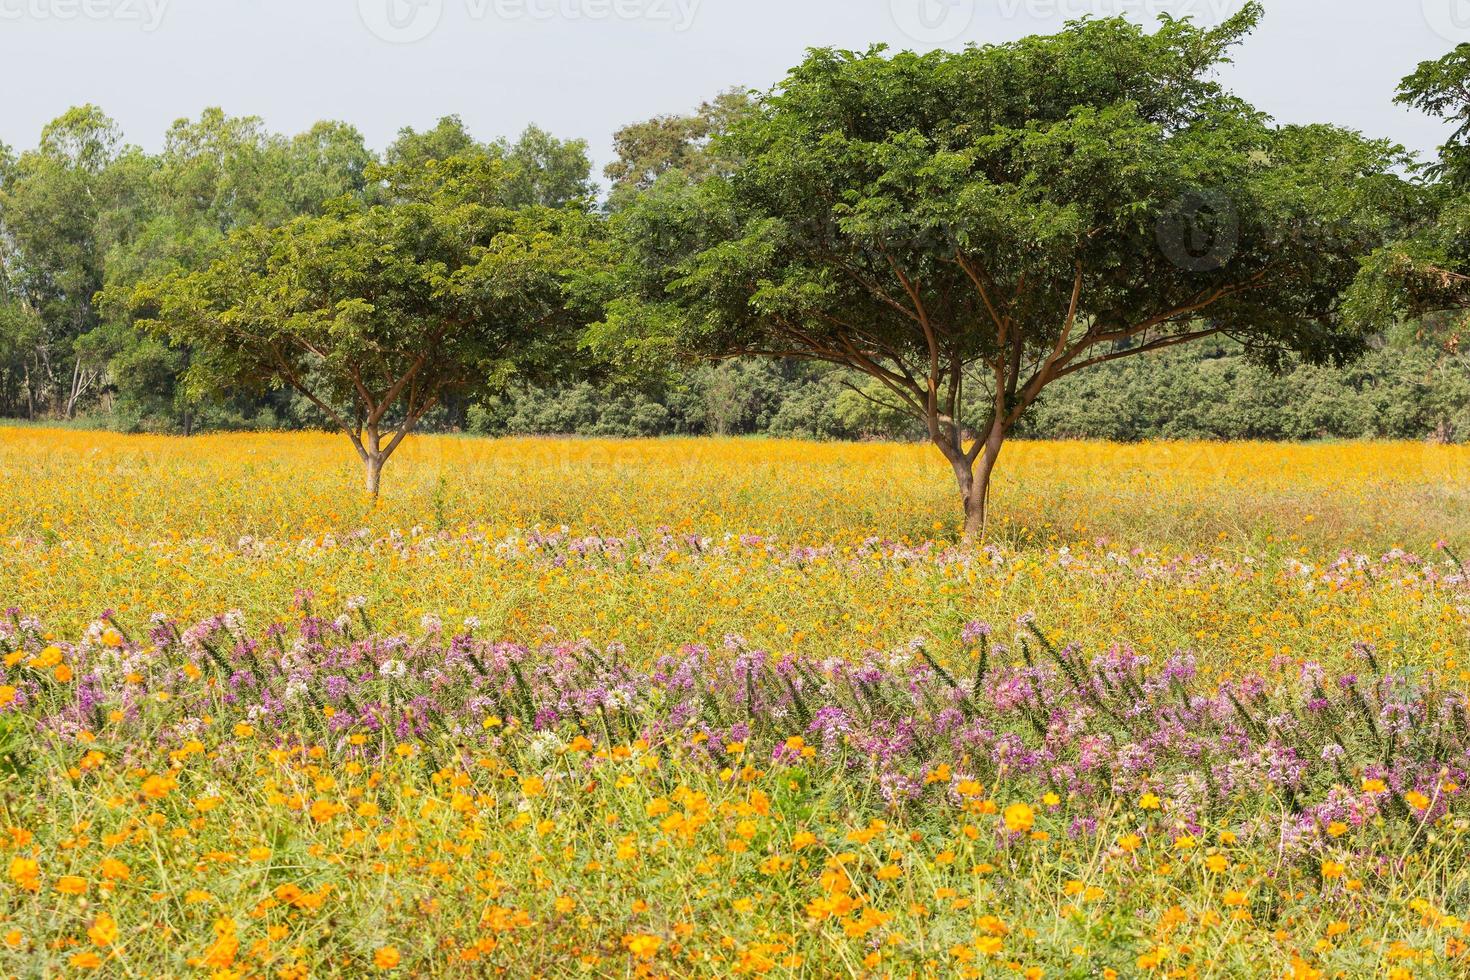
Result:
x=86 y=960
x=114 y=870
x=1018 y=817
x=71 y=885
x=386 y=958
x=157 y=787
x=104 y=931
x=324 y=810
x=26 y=873
x=642 y=946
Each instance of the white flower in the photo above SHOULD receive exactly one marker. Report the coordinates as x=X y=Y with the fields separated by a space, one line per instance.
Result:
x=543 y=744
x=393 y=668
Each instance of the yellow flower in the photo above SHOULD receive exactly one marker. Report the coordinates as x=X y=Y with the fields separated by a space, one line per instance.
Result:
x=533 y=786
x=1018 y=817
x=7 y=695
x=1374 y=786
x=1417 y=800
x=386 y=957
x=1148 y=802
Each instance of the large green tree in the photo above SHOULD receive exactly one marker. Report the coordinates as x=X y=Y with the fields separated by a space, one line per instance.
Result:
x=374 y=312
x=1001 y=217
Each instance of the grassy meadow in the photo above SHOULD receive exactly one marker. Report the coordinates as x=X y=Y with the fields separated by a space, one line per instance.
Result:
x=731 y=707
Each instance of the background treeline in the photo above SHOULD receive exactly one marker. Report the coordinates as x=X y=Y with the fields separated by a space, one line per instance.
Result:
x=1404 y=389
x=83 y=211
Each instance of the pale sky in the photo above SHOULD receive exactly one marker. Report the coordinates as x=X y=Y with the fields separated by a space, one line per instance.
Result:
x=581 y=68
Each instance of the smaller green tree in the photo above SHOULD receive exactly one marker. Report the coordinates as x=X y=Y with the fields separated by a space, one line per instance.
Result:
x=374 y=312
x=1426 y=270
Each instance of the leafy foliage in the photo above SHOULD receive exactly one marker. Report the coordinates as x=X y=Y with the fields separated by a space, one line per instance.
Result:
x=999 y=218
x=374 y=312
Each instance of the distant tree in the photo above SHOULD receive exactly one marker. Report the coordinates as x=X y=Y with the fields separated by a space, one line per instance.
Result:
x=681 y=144
x=541 y=169
x=64 y=207
x=1001 y=217
x=448 y=138
x=548 y=171
x=1426 y=270
x=329 y=160
x=214 y=175
x=374 y=312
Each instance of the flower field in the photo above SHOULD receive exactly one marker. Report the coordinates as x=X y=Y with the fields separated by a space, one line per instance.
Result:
x=725 y=708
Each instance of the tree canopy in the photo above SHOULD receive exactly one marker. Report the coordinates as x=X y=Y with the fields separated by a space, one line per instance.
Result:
x=1001 y=217
x=1425 y=270
x=376 y=311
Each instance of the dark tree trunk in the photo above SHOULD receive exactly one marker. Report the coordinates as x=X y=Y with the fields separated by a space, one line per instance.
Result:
x=974 y=482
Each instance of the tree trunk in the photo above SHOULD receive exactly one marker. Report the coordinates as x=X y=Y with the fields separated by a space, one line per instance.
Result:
x=373 y=457
x=373 y=468
x=974 y=484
